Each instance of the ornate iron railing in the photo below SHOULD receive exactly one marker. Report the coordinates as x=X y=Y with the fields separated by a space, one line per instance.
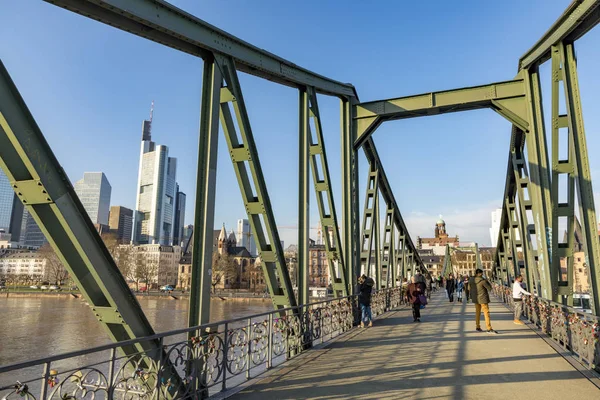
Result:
x=575 y=331
x=204 y=360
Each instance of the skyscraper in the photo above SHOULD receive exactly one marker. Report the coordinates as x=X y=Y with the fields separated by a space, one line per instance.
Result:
x=94 y=192
x=179 y=218
x=244 y=236
x=11 y=209
x=495 y=229
x=155 y=203
x=120 y=221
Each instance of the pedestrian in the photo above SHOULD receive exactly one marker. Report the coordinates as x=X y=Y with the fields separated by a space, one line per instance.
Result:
x=450 y=287
x=459 y=289
x=518 y=293
x=416 y=296
x=364 y=289
x=404 y=289
x=428 y=284
x=479 y=289
x=465 y=287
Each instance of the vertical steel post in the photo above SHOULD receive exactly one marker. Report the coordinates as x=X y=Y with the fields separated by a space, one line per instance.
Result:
x=583 y=176
x=248 y=170
x=324 y=194
x=541 y=202
x=350 y=212
x=303 y=198
x=562 y=167
x=204 y=212
x=369 y=230
x=377 y=243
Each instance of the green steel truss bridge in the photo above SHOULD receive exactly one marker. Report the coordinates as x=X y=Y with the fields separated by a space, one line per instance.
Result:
x=530 y=214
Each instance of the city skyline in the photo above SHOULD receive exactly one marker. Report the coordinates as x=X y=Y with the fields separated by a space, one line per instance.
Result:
x=453 y=164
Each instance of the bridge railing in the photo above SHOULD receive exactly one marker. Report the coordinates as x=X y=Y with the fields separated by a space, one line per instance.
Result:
x=573 y=330
x=208 y=358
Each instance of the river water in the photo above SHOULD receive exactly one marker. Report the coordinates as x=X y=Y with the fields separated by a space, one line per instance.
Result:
x=37 y=327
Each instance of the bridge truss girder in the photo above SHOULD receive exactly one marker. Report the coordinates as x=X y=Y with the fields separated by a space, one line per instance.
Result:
x=518 y=100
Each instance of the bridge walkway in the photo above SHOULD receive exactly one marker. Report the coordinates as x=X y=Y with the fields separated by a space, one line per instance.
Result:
x=443 y=357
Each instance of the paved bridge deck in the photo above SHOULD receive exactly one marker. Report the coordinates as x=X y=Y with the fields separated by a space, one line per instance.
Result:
x=443 y=357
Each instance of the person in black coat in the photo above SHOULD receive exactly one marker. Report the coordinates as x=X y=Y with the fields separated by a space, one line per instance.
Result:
x=364 y=289
x=451 y=287
x=414 y=292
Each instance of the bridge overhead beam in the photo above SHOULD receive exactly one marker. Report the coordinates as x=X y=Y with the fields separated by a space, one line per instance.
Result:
x=166 y=24
x=580 y=17
x=506 y=98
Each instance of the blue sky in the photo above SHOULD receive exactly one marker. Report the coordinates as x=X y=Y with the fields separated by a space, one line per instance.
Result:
x=89 y=86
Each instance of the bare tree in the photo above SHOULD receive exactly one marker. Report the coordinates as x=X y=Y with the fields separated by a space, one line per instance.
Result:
x=111 y=242
x=145 y=269
x=223 y=268
x=55 y=270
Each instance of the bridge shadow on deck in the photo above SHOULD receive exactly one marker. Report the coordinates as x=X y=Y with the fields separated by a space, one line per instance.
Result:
x=443 y=357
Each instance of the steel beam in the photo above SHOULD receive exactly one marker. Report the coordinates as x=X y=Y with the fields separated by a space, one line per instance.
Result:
x=387 y=256
x=562 y=167
x=303 y=197
x=45 y=189
x=369 y=224
x=377 y=243
x=587 y=209
x=540 y=193
x=324 y=193
x=350 y=212
x=526 y=229
x=246 y=164
x=507 y=98
x=204 y=211
x=579 y=17
x=166 y=24
x=388 y=195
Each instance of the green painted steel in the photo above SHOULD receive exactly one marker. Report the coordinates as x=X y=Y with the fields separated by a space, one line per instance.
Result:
x=522 y=183
x=561 y=209
x=350 y=214
x=324 y=193
x=388 y=253
x=587 y=209
x=42 y=185
x=507 y=98
x=303 y=197
x=248 y=170
x=202 y=240
x=159 y=21
x=370 y=222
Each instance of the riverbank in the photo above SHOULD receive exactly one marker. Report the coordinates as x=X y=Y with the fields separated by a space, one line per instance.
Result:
x=151 y=295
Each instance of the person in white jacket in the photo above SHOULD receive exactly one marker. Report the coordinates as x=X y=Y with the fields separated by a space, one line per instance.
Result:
x=518 y=293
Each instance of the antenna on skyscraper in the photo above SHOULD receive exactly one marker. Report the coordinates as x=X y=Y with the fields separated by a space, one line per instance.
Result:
x=151 y=113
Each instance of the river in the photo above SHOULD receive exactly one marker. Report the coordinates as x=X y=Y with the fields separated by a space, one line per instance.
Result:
x=37 y=327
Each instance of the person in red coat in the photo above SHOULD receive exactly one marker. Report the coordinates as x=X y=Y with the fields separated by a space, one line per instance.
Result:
x=414 y=292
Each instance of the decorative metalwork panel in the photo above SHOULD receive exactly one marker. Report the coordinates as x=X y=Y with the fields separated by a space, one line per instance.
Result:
x=573 y=330
x=216 y=356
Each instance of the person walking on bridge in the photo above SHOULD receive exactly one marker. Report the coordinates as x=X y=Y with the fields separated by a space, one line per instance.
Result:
x=518 y=293
x=416 y=296
x=364 y=289
x=479 y=290
x=459 y=289
x=450 y=287
x=429 y=284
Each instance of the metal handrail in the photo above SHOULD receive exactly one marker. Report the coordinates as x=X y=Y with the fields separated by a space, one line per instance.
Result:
x=239 y=348
x=575 y=331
